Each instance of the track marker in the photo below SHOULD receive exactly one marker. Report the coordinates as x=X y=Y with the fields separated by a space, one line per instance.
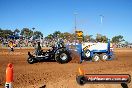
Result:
x=81 y=72
x=9 y=76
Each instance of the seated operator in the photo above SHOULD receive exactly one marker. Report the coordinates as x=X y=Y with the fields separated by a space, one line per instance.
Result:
x=38 y=49
x=60 y=43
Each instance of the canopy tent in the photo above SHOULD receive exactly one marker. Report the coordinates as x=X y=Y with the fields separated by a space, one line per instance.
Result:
x=14 y=36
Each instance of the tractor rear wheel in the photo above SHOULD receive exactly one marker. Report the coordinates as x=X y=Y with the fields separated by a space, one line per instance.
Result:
x=62 y=56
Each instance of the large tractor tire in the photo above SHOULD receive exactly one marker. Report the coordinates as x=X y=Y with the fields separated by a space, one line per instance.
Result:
x=62 y=56
x=104 y=57
x=96 y=57
x=30 y=60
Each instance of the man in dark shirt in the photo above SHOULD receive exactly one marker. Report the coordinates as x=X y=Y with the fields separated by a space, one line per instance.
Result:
x=38 y=49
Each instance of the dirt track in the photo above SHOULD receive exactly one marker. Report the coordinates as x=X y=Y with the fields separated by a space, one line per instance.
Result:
x=55 y=75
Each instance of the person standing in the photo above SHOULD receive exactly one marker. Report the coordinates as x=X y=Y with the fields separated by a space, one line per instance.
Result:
x=11 y=45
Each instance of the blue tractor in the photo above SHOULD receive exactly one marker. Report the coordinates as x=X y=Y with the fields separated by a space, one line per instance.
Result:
x=58 y=53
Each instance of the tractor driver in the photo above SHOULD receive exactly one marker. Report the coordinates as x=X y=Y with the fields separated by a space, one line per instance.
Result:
x=11 y=45
x=38 y=49
x=60 y=43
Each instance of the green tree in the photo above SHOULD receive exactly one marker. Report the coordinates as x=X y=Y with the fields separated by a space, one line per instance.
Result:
x=38 y=34
x=104 y=39
x=50 y=36
x=68 y=36
x=101 y=38
x=117 y=39
x=1 y=32
x=87 y=37
x=62 y=36
x=26 y=32
x=98 y=37
x=16 y=31
x=6 y=33
x=56 y=34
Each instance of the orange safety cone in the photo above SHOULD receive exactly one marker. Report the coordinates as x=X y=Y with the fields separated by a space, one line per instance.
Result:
x=81 y=72
x=9 y=76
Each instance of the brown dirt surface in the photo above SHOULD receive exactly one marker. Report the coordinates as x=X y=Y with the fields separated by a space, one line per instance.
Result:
x=75 y=58
x=55 y=75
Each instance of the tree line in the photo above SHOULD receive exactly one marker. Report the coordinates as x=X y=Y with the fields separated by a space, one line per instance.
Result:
x=25 y=32
x=28 y=33
x=72 y=36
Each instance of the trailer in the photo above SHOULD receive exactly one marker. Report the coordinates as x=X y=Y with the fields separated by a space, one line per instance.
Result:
x=93 y=51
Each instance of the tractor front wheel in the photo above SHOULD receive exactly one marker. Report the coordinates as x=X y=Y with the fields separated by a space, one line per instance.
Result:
x=30 y=60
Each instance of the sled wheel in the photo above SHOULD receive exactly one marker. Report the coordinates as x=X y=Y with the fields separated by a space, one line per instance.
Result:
x=96 y=57
x=104 y=57
x=87 y=53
